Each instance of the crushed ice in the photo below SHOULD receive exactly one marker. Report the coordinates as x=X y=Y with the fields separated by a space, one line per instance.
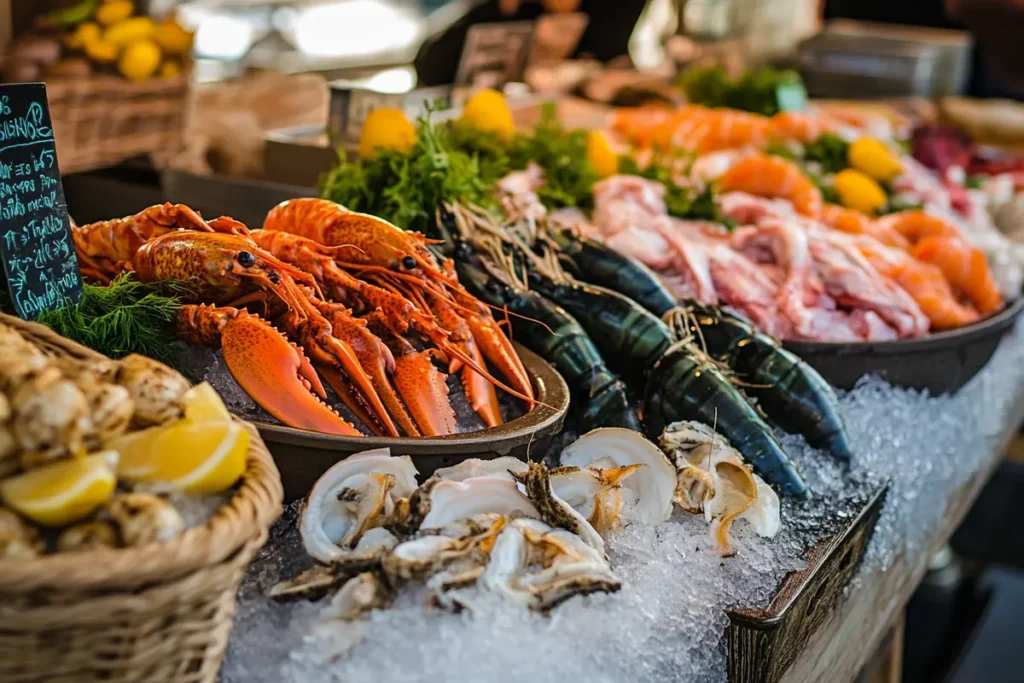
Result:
x=667 y=622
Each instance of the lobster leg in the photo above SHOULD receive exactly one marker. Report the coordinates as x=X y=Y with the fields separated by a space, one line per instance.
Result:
x=479 y=390
x=274 y=372
x=498 y=349
x=376 y=362
x=343 y=388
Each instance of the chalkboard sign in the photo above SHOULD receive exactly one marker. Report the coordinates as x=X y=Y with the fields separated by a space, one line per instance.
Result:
x=35 y=232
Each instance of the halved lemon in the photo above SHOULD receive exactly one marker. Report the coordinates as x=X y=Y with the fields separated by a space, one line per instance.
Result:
x=64 y=492
x=202 y=402
x=195 y=457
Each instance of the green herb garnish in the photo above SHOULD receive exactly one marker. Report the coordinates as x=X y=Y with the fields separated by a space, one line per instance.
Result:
x=126 y=317
x=830 y=151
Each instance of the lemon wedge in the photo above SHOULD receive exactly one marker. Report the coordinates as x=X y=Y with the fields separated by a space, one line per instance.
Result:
x=194 y=457
x=386 y=128
x=202 y=402
x=64 y=492
x=488 y=111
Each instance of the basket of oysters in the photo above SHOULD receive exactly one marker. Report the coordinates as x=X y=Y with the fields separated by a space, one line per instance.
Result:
x=130 y=504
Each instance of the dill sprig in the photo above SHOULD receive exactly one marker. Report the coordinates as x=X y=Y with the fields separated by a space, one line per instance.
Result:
x=126 y=317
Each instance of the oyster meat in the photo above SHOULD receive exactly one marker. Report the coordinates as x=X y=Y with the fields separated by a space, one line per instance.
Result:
x=648 y=493
x=314 y=582
x=595 y=494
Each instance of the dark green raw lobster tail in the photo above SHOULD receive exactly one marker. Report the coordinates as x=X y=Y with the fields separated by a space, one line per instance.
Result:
x=601 y=265
x=601 y=399
x=630 y=338
x=684 y=387
x=790 y=392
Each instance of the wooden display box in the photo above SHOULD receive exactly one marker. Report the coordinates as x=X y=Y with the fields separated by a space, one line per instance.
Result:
x=761 y=644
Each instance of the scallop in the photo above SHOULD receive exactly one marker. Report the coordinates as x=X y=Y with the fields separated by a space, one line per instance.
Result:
x=649 y=491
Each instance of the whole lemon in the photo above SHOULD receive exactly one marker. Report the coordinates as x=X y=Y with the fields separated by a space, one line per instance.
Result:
x=600 y=154
x=139 y=61
x=488 y=111
x=872 y=157
x=387 y=128
x=859 y=191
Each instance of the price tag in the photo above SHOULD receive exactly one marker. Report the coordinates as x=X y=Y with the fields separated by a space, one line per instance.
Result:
x=494 y=54
x=35 y=232
x=791 y=97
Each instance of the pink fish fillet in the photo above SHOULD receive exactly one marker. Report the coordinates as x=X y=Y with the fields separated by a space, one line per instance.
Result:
x=800 y=297
x=856 y=284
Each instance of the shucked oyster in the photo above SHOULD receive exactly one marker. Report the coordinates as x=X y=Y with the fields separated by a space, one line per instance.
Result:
x=366 y=556
x=360 y=594
x=595 y=494
x=536 y=565
x=472 y=468
x=426 y=555
x=554 y=510
x=351 y=497
x=451 y=501
x=713 y=479
x=649 y=491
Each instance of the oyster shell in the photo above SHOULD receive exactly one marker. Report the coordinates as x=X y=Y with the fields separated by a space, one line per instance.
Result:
x=713 y=479
x=648 y=493
x=155 y=389
x=555 y=511
x=314 y=582
x=359 y=594
x=18 y=539
x=451 y=501
x=538 y=566
x=477 y=467
x=421 y=557
x=51 y=418
x=88 y=536
x=351 y=497
x=142 y=518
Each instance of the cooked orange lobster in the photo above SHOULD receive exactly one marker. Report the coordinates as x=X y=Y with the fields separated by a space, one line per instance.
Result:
x=345 y=308
x=400 y=260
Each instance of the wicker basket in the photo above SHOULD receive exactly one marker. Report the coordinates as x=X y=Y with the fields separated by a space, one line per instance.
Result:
x=158 y=613
x=102 y=120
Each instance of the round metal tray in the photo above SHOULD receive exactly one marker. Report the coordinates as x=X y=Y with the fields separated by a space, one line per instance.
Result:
x=302 y=456
x=940 y=363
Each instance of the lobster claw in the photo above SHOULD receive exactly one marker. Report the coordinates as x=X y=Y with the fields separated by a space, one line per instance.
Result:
x=278 y=376
x=425 y=392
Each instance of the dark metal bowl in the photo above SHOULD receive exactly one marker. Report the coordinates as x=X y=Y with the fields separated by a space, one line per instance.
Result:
x=940 y=363
x=302 y=456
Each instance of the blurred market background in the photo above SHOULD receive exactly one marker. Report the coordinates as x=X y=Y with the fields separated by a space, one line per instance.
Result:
x=238 y=104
